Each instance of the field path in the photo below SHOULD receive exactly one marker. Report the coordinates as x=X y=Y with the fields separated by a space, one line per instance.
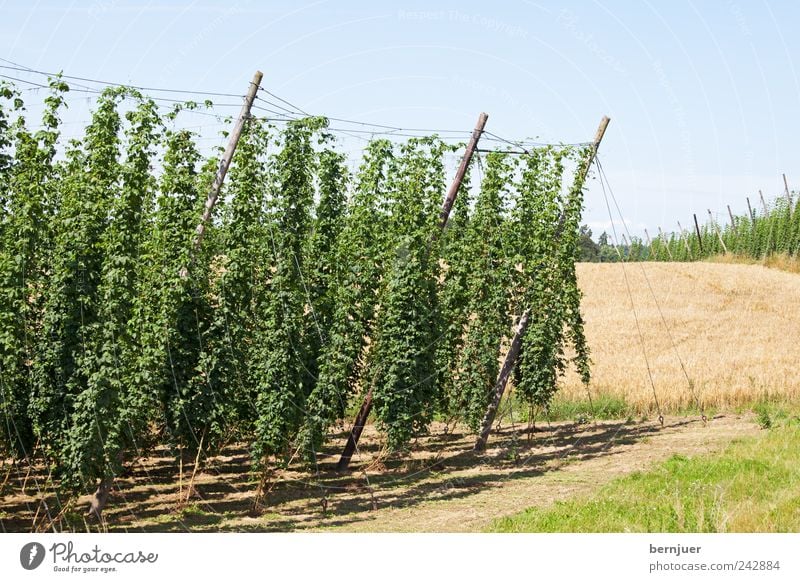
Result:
x=580 y=470
x=441 y=486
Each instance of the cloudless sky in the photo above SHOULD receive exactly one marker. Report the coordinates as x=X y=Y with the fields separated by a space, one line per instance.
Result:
x=703 y=96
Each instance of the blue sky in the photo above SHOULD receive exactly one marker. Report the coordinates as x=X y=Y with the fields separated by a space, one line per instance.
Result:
x=703 y=96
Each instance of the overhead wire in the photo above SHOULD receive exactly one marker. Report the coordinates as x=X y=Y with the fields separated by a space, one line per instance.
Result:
x=280 y=112
x=689 y=381
x=17 y=67
x=630 y=295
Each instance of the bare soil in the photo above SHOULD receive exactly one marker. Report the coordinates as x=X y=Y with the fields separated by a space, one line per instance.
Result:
x=440 y=485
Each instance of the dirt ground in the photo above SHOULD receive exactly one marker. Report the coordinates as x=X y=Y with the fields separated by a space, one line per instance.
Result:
x=439 y=486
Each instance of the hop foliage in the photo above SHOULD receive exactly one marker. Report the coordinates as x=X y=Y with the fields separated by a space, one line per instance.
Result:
x=486 y=262
x=773 y=228
x=311 y=287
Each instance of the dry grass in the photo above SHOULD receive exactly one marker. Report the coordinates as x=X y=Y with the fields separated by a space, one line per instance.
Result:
x=735 y=327
x=780 y=261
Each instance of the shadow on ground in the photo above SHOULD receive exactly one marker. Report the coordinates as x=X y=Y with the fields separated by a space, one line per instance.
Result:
x=153 y=495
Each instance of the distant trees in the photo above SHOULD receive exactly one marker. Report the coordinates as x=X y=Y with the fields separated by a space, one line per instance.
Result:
x=602 y=251
x=589 y=250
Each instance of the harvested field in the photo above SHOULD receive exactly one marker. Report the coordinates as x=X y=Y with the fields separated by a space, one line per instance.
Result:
x=734 y=328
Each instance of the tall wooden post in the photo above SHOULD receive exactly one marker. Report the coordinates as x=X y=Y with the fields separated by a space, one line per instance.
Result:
x=649 y=244
x=715 y=226
x=697 y=228
x=663 y=237
x=522 y=324
x=733 y=222
x=685 y=240
x=750 y=211
x=786 y=190
x=502 y=380
x=462 y=168
x=763 y=203
x=224 y=164
x=366 y=406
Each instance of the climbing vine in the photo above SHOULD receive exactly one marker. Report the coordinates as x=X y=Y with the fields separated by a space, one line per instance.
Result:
x=487 y=285
x=403 y=374
x=312 y=289
x=282 y=374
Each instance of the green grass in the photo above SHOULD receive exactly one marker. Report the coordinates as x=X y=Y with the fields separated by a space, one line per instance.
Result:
x=192 y=514
x=751 y=486
x=601 y=408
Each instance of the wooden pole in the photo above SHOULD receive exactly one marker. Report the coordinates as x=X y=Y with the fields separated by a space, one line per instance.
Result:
x=519 y=331
x=763 y=203
x=685 y=239
x=733 y=222
x=788 y=194
x=355 y=433
x=697 y=228
x=627 y=249
x=366 y=406
x=224 y=164
x=462 y=168
x=502 y=380
x=719 y=234
x=598 y=137
x=750 y=211
x=649 y=244
x=666 y=244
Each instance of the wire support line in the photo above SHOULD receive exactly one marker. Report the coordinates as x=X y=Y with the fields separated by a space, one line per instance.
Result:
x=393 y=128
x=35 y=85
x=17 y=67
x=284 y=101
x=283 y=113
x=690 y=383
x=633 y=305
x=93 y=93
x=288 y=112
x=530 y=144
x=509 y=142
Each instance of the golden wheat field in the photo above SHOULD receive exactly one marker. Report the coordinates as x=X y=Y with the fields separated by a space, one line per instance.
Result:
x=735 y=327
